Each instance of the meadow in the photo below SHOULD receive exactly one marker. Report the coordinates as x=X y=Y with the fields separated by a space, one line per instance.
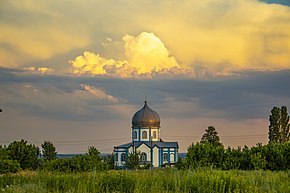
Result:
x=159 y=180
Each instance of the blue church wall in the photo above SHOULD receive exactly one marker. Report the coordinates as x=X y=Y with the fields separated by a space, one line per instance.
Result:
x=145 y=135
x=160 y=156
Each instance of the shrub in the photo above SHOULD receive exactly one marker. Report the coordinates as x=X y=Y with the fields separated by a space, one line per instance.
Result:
x=9 y=166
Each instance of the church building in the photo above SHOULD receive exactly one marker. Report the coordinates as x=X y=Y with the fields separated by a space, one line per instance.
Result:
x=146 y=139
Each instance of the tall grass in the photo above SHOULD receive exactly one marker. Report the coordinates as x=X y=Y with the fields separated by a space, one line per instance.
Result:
x=162 y=180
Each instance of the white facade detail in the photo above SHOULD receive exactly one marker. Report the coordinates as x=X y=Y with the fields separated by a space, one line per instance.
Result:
x=146 y=139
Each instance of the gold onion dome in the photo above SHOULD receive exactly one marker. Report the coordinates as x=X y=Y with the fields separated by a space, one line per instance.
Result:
x=146 y=117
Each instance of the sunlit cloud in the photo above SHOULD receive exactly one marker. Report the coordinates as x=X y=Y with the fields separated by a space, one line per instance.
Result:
x=100 y=94
x=220 y=37
x=147 y=53
x=41 y=70
x=146 y=56
x=91 y=63
x=35 y=31
x=209 y=38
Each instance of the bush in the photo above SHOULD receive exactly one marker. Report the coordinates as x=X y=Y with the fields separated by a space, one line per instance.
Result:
x=9 y=166
x=80 y=163
x=273 y=156
x=25 y=154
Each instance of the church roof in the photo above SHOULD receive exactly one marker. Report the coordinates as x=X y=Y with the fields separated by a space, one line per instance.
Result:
x=126 y=145
x=150 y=144
x=146 y=117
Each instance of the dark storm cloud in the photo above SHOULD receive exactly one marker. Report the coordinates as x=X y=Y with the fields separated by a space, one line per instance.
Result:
x=57 y=97
x=248 y=95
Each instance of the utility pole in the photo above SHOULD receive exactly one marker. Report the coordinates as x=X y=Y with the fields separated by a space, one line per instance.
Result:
x=151 y=151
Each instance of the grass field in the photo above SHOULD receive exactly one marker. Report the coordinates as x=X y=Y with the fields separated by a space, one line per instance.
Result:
x=162 y=180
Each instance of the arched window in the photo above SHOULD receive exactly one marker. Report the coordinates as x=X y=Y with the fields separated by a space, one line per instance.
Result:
x=172 y=157
x=143 y=157
x=144 y=135
x=165 y=157
x=135 y=135
x=154 y=135
x=123 y=157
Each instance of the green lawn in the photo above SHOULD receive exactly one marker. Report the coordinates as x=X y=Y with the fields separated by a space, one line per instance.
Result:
x=161 y=180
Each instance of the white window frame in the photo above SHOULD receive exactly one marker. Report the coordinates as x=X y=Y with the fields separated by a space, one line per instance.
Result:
x=143 y=156
x=123 y=157
x=144 y=135
x=165 y=157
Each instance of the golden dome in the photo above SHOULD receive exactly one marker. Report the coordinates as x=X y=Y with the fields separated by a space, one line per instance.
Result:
x=146 y=117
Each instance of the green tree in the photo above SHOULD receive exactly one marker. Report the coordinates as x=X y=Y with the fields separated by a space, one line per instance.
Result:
x=80 y=163
x=25 y=154
x=9 y=166
x=277 y=156
x=232 y=158
x=3 y=153
x=211 y=136
x=6 y=165
x=180 y=164
x=109 y=161
x=48 y=150
x=133 y=160
x=279 y=125
x=205 y=155
x=93 y=152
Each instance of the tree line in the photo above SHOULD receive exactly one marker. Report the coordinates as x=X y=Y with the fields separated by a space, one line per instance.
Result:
x=20 y=155
x=209 y=152
x=275 y=155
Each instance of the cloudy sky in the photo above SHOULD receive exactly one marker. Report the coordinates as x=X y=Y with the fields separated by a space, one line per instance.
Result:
x=74 y=72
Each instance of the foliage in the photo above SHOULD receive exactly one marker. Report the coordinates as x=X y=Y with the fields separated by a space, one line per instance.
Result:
x=81 y=163
x=48 y=150
x=161 y=180
x=273 y=156
x=277 y=156
x=180 y=164
x=133 y=160
x=6 y=165
x=25 y=154
x=211 y=136
x=9 y=166
x=109 y=161
x=204 y=155
x=3 y=153
x=279 y=125
x=94 y=153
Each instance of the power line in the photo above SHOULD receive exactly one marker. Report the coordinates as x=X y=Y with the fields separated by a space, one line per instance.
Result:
x=80 y=141
x=113 y=140
x=221 y=136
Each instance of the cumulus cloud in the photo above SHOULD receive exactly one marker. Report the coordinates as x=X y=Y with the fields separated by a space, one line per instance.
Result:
x=100 y=94
x=232 y=104
x=147 y=53
x=34 y=31
x=41 y=70
x=223 y=36
x=209 y=37
x=91 y=63
x=146 y=56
